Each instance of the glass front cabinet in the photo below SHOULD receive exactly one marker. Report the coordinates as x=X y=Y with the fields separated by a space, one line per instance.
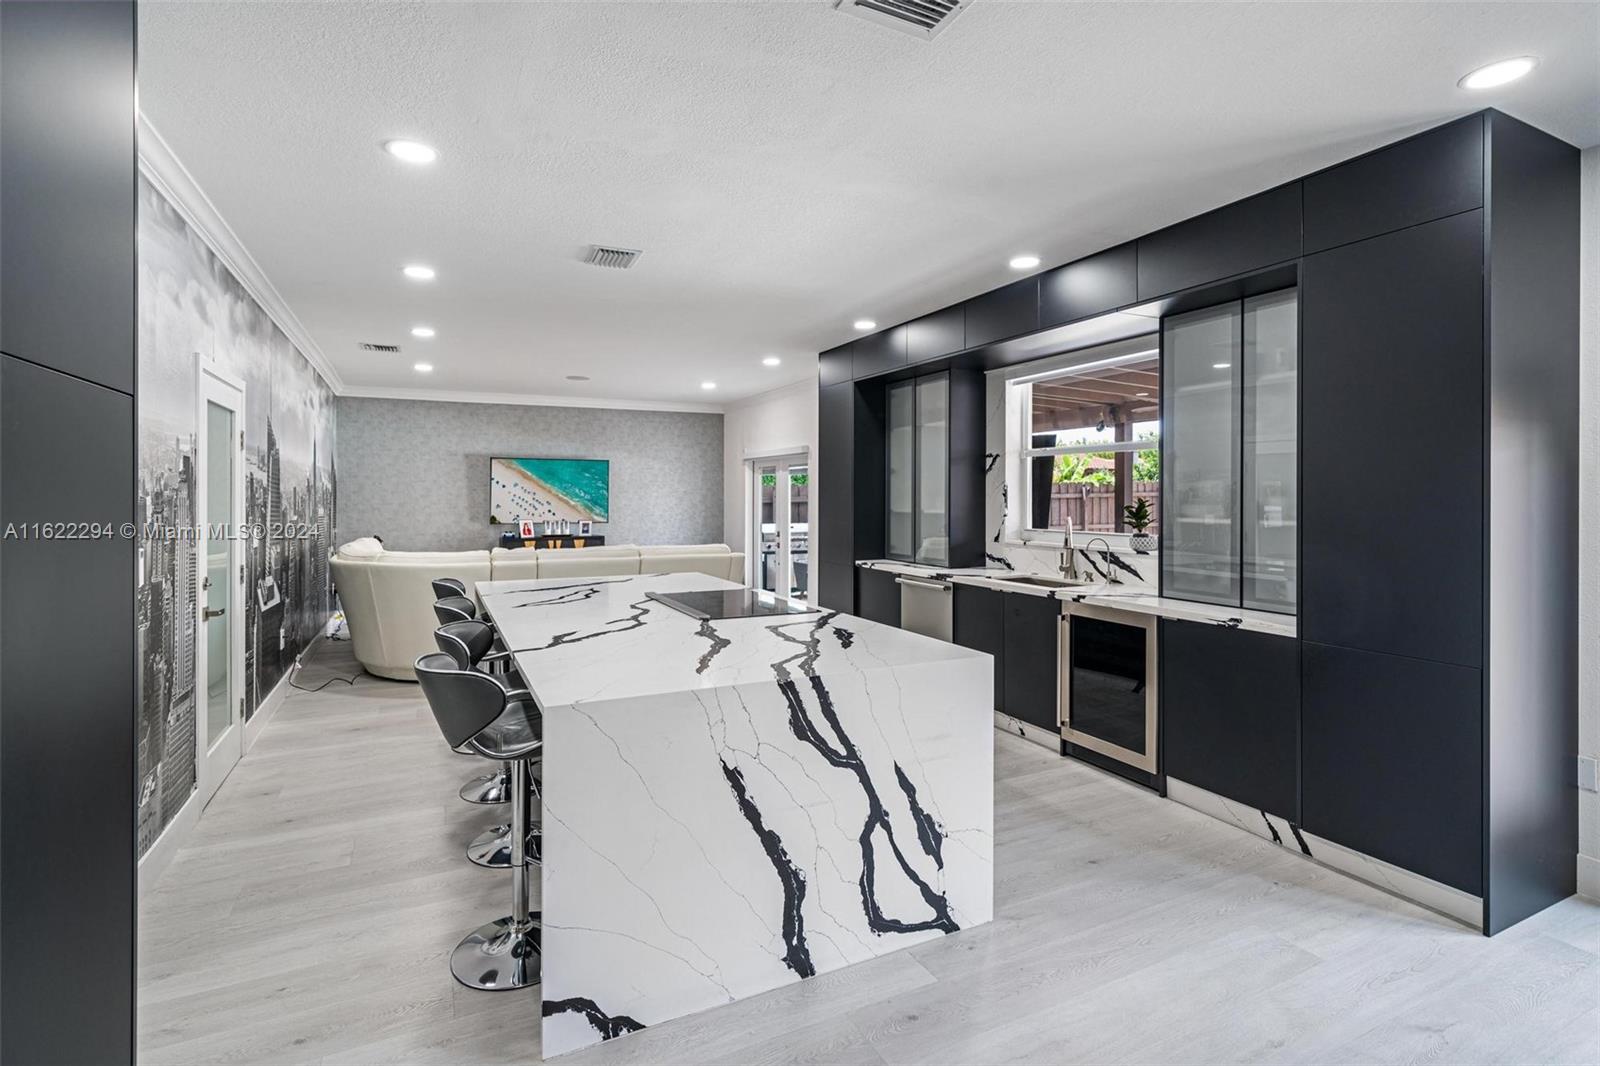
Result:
x=1230 y=403
x=919 y=470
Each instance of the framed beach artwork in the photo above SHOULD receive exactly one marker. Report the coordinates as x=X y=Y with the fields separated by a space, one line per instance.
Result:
x=549 y=490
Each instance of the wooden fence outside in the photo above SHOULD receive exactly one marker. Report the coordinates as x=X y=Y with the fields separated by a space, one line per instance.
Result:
x=1093 y=508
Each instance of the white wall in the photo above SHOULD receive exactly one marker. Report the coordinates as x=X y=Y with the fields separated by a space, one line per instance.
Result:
x=773 y=423
x=1589 y=523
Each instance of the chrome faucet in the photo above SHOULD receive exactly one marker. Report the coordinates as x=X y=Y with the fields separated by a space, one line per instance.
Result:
x=1069 y=560
x=1111 y=571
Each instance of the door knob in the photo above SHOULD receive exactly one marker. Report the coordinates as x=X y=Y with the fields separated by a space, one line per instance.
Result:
x=208 y=614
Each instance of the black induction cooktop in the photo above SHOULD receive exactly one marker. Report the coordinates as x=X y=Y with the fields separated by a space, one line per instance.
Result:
x=730 y=603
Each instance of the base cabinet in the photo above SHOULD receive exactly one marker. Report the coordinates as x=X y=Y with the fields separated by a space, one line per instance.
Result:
x=877 y=596
x=1393 y=760
x=1230 y=708
x=1032 y=660
x=978 y=622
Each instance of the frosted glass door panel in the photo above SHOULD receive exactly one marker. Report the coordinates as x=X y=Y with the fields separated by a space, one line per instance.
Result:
x=933 y=470
x=902 y=541
x=1200 y=424
x=219 y=570
x=1271 y=468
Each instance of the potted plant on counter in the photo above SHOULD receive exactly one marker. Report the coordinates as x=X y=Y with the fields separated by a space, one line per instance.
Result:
x=1137 y=515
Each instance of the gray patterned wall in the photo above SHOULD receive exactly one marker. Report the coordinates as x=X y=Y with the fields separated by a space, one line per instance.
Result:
x=416 y=472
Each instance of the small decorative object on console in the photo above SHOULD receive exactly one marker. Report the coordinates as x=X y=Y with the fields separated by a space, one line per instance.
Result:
x=1138 y=516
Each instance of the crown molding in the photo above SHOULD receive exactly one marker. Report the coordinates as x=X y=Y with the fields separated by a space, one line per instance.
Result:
x=381 y=392
x=172 y=179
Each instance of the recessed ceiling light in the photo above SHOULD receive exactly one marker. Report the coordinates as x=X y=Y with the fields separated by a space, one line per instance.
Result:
x=577 y=377
x=1220 y=366
x=708 y=385
x=1024 y=262
x=1496 y=74
x=422 y=331
x=865 y=324
x=771 y=360
x=410 y=151
x=422 y=368
x=418 y=272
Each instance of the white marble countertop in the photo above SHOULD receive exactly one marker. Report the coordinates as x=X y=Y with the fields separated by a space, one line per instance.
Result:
x=1138 y=598
x=578 y=639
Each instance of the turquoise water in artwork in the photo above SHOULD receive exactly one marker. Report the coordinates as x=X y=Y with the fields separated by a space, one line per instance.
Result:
x=584 y=483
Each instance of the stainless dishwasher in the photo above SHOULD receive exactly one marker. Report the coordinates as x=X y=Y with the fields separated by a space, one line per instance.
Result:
x=925 y=606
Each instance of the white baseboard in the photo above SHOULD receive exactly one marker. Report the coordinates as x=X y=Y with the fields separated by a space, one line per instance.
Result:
x=280 y=692
x=1589 y=877
x=159 y=855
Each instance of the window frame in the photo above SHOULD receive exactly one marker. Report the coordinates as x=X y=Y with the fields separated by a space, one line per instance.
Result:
x=1032 y=534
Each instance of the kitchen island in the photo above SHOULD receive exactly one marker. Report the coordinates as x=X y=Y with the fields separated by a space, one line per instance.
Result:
x=733 y=804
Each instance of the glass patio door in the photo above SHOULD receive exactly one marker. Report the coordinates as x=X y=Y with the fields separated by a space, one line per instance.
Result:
x=781 y=526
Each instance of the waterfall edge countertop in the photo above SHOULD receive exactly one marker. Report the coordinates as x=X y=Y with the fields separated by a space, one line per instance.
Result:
x=731 y=805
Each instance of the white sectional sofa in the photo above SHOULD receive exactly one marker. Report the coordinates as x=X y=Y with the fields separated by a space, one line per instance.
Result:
x=387 y=596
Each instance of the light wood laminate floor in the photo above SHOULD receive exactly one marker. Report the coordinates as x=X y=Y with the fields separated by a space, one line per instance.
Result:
x=311 y=914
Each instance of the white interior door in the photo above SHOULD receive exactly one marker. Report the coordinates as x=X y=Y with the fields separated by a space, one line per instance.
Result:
x=780 y=525
x=219 y=605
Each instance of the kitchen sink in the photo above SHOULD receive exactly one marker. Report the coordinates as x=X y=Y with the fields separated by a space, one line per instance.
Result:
x=1043 y=582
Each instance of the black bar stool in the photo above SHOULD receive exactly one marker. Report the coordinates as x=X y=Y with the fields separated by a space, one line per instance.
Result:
x=469 y=644
x=473 y=709
x=448 y=586
x=454 y=609
x=454 y=606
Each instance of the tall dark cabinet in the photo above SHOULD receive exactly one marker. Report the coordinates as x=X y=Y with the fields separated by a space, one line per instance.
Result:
x=67 y=447
x=1438 y=486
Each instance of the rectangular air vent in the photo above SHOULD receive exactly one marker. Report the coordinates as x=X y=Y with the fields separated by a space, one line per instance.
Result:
x=369 y=347
x=602 y=255
x=920 y=18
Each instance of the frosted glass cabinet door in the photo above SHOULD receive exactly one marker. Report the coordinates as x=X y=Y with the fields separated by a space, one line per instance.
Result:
x=1200 y=424
x=933 y=470
x=1271 y=432
x=902 y=445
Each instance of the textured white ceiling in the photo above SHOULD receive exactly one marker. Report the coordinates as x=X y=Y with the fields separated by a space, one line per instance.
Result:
x=785 y=168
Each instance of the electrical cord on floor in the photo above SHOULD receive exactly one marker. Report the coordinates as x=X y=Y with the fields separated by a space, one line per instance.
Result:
x=351 y=681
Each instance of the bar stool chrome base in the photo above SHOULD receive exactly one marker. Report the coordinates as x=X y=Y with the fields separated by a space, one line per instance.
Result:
x=488 y=789
x=499 y=956
x=492 y=848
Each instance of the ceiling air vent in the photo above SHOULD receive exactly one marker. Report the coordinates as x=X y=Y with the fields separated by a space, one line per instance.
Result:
x=602 y=255
x=920 y=18
x=367 y=346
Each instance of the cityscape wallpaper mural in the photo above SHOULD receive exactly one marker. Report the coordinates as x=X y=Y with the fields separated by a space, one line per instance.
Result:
x=192 y=308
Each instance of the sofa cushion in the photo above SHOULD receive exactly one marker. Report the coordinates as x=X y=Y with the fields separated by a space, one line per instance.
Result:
x=362 y=548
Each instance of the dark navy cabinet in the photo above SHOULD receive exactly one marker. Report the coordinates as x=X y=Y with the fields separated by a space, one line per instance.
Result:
x=1429 y=176
x=1008 y=311
x=1241 y=237
x=67 y=183
x=937 y=334
x=68 y=719
x=1230 y=713
x=836 y=365
x=1032 y=668
x=877 y=596
x=1090 y=286
x=1393 y=758
x=880 y=352
x=1392 y=371
x=978 y=618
